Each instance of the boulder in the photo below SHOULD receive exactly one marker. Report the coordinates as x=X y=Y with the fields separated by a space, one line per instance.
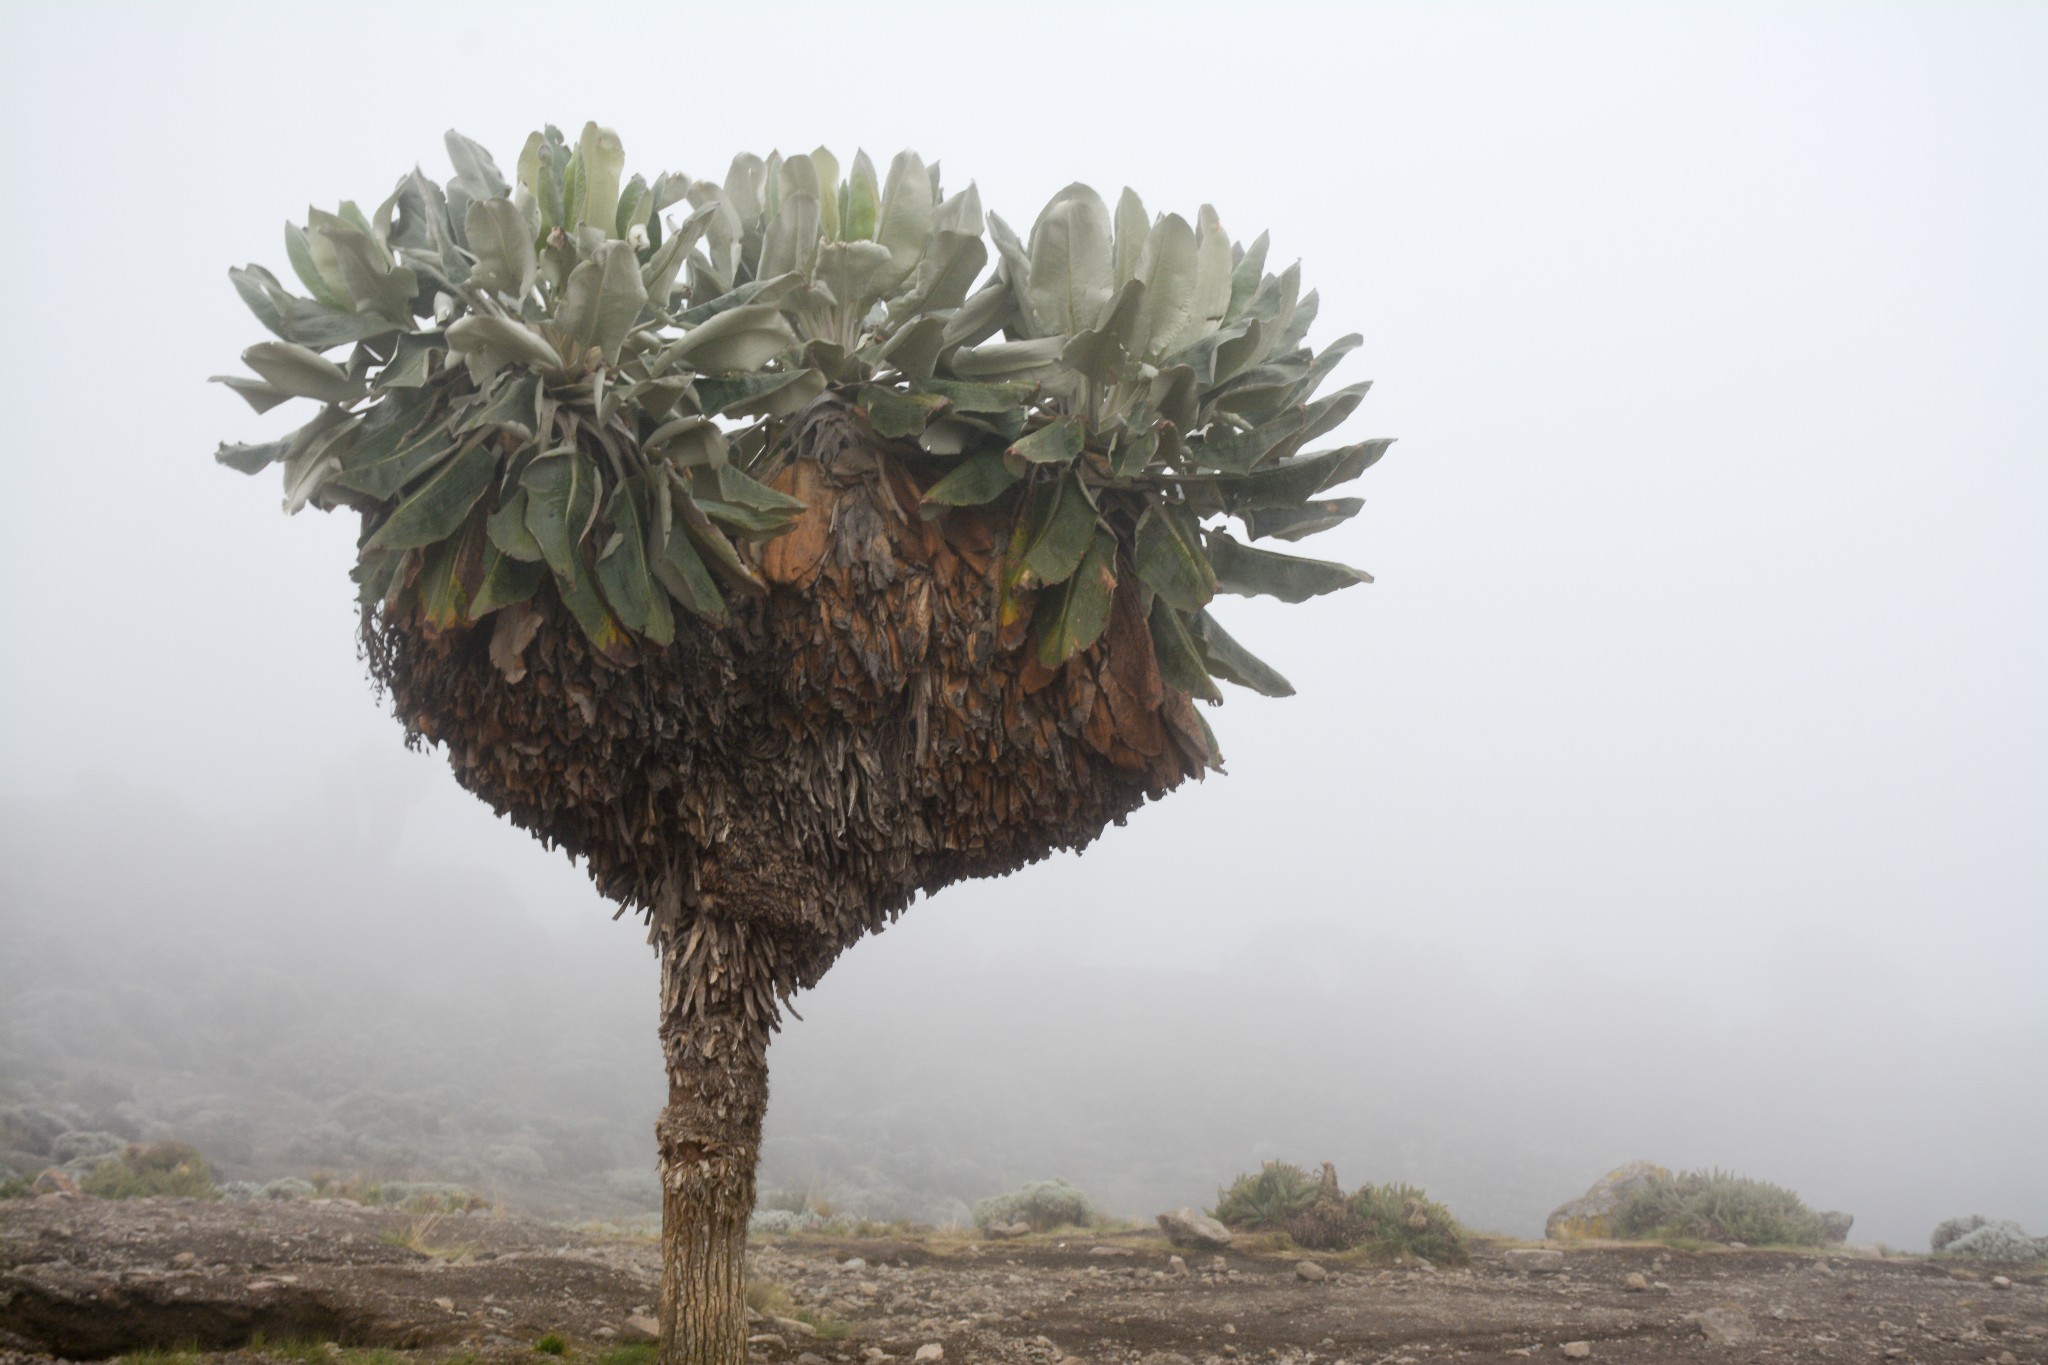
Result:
x=1310 y=1271
x=1194 y=1229
x=1723 y=1325
x=1588 y=1215
x=1835 y=1225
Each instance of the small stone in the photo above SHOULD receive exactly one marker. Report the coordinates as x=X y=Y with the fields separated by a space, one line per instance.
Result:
x=262 y=1286
x=1109 y=1251
x=604 y=1333
x=1635 y=1282
x=1533 y=1260
x=1738 y=1246
x=2000 y=1282
x=184 y=1258
x=931 y=1350
x=1310 y=1271
x=1218 y=1266
x=1176 y=1266
x=641 y=1327
x=1576 y=1350
x=446 y=1305
x=853 y=1263
x=1723 y=1326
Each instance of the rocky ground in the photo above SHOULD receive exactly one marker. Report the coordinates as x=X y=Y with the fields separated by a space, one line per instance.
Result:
x=244 y=1282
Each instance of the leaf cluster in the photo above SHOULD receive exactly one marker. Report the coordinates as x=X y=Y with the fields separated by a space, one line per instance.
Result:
x=581 y=382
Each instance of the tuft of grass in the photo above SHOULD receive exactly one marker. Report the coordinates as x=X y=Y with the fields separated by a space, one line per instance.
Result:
x=767 y=1296
x=1716 y=1206
x=552 y=1345
x=828 y=1329
x=155 y=1168
x=16 y=1187
x=1400 y=1220
x=417 y=1236
x=162 y=1355
x=639 y=1353
x=292 y=1348
x=1266 y=1201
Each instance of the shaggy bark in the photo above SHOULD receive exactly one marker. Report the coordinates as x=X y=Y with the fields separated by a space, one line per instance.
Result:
x=872 y=725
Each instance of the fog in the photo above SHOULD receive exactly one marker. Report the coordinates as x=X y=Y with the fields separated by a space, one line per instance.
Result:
x=1678 y=791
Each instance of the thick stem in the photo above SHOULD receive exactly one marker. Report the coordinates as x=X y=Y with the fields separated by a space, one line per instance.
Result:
x=709 y=1138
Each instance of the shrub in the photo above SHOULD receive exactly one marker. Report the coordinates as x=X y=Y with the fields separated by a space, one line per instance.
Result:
x=2003 y=1241
x=1400 y=1220
x=552 y=1345
x=1266 y=1201
x=1044 y=1204
x=1715 y=1206
x=157 y=1168
x=1949 y=1229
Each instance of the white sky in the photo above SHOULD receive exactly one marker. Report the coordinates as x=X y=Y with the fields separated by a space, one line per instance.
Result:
x=1708 y=642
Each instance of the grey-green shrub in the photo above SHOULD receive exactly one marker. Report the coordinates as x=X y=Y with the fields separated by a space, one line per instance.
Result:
x=1716 y=1206
x=1044 y=1204
x=1946 y=1231
x=1401 y=1220
x=2002 y=1241
x=1268 y=1200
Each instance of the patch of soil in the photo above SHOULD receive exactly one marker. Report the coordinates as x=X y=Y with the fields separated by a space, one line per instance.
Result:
x=87 y=1279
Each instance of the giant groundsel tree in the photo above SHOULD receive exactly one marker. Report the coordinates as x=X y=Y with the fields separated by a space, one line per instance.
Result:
x=785 y=547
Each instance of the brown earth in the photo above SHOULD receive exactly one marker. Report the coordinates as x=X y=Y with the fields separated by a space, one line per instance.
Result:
x=88 y=1279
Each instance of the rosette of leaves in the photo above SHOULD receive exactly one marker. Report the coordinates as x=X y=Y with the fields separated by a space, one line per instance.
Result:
x=579 y=383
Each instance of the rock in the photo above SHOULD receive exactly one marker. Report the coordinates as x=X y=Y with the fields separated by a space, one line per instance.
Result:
x=931 y=1350
x=1191 y=1228
x=2000 y=1282
x=1310 y=1271
x=641 y=1327
x=445 y=1305
x=1533 y=1260
x=1835 y=1226
x=1588 y=1215
x=1218 y=1266
x=1110 y=1251
x=1723 y=1325
x=185 y=1258
x=853 y=1263
x=997 y=1232
x=1576 y=1350
x=1635 y=1282
x=794 y=1327
x=1176 y=1266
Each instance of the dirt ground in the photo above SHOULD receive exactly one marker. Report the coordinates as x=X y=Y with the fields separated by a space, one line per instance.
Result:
x=86 y=1279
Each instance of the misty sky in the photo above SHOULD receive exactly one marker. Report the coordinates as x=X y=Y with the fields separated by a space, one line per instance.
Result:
x=1705 y=667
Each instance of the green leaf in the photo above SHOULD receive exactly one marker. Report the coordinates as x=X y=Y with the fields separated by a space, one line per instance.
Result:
x=301 y=372
x=686 y=443
x=897 y=415
x=259 y=395
x=1169 y=556
x=622 y=568
x=1071 y=617
x=914 y=349
x=1180 y=658
x=1295 y=480
x=1236 y=452
x=299 y=251
x=603 y=299
x=772 y=395
x=375 y=283
x=442 y=502
x=506 y=579
x=502 y=243
x=1168 y=268
x=412 y=361
x=509 y=532
x=1071 y=265
x=561 y=502
x=1063 y=522
x=1133 y=227
x=862 y=200
x=1295 y=523
x=476 y=175
x=682 y=571
x=1244 y=279
x=509 y=407
x=603 y=158
x=754 y=291
x=967 y=397
x=1133 y=452
x=1057 y=442
x=980 y=478
x=1232 y=662
x=580 y=596
x=388 y=461
x=739 y=339
x=1243 y=570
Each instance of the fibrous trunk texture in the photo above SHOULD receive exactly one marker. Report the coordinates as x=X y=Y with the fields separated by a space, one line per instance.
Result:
x=766 y=791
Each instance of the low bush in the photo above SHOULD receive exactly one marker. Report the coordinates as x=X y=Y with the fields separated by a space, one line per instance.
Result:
x=1401 y=1220
x=156 y=1168
x=1391 y=1221
x=1988 y=1241
x=1715 y=1206
x=1044 y=1204
x=1266 y=1201
x=1949 y=1229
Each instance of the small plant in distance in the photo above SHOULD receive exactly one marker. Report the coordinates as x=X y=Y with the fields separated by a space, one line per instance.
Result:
x=1267 y=1201
x=1391 y=1221
x=1042 y=1204
x=552 y=1345
x=156 y=1168
x=1716 y=1206
x=789 y=546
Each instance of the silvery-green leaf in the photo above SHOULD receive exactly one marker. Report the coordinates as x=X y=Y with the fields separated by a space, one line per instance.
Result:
x=1237 y=452
x=387 y=460
x=1180 y=658
x=662 y=268
x=412 y=361
x=789 y=241
x=604 y=162
x=332 y=292
x=304 y=321
x=1071 y=264
x=1246 y=571
x=1295 y=523
x=508 y=530
x=905 y=218
x=622 y=567
x=1273 y=305
x=1057 y=442
x=255 y=392
x=914 y=349
x=761 y=395
x=739 y=339
x=853 y=272
x=683 y=572
x=503 y=247
x=687 y=442
x=961 y=213
x=1212 y=272
x=1296 y=331
x=1168 y=553
x=1016 y=270
x=476 y=175
x=373 y=282
x=978 y=398
x=743 y=184
x=509 y=407
x=502 y=339
x=1133 y=227
x=1171 y=394
x=1071 y=617
x=504 y=581
x=561 y=501
x=1290 y=482
x=1007 y=358
x=945 y=274
x=978 y=479
x=1232 y=662
x=1244 y=278
x=1094 y=355
x=863 y=199
x=1168 y=269
x=825 y=174
x=603 y=300
x=1133 y=452
x=984 y=314
x=441 y=504
x=897 y=415
x=301 y=372
x=249 y=459
x=767 y=291
x=949 y=436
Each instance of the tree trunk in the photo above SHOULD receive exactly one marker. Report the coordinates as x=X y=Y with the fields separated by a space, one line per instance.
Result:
x=708 y=1137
